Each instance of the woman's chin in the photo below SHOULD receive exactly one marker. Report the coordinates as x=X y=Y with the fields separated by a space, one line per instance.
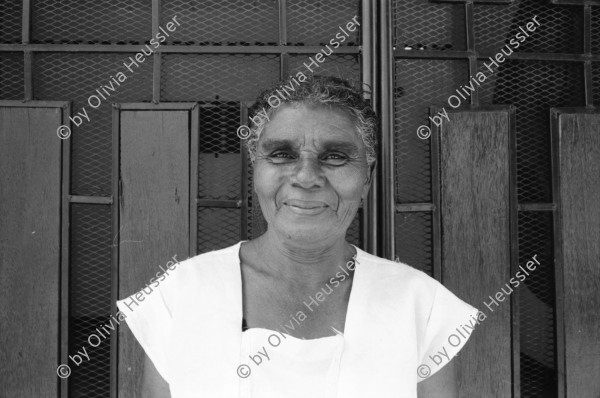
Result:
x=305 y=233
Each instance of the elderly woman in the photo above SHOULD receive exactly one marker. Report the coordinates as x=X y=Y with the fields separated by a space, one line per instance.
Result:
x=298 y=311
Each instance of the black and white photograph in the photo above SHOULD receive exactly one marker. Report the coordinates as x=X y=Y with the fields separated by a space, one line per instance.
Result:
x=299 y=198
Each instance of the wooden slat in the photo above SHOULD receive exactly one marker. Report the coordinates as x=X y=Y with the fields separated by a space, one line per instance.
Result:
x=475 y=210
x=65 y=250
x=193 y=191
x=30 y=200
x=246 y=177
x=579 y=162
x=114 y=294
x=386 y=110
x=154 y=206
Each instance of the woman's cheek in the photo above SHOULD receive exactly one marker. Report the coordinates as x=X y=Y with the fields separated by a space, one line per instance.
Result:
x=265 y=177
x=349 y=185
x=266 y=185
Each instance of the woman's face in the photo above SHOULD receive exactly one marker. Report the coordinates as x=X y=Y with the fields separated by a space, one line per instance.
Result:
x=310 y=172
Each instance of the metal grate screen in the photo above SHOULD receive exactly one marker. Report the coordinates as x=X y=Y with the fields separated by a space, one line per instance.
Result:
x=537 y=303
x=75 y=76
x=246 y=76
x=11 y=18
x=432 y=58
x=97 y=22
x=315 y=22
x=90 y=301
x=560 y=31
x=12 y=76
x=418 y=84
x=414 y=235
x=421 y=25
x=222 y=55
x=224 y=23
x=533 y=87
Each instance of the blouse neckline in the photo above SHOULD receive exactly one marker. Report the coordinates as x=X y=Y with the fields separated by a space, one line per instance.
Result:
x=349 y=308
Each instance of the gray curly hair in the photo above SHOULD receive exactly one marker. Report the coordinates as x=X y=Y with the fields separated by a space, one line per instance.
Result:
x=318 y=90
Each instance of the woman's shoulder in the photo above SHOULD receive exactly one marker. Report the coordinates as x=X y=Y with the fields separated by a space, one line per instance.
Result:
x=206 y=262
x=400 y=285
x=201 y=271
x=397 y=274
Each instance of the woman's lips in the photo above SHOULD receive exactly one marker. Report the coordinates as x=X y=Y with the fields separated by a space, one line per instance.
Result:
x=304 y=204
x=305 y=207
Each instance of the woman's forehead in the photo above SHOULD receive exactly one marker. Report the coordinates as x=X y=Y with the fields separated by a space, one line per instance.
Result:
x=316 y=123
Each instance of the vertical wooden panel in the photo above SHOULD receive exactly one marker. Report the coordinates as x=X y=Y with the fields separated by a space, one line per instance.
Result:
x=193 y=191
x=579 y=154
x=385 y=107
x=30 y=200
x=154 y=207
x=475 y=214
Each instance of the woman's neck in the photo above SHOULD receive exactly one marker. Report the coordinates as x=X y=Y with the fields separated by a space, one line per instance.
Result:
x=300 y=262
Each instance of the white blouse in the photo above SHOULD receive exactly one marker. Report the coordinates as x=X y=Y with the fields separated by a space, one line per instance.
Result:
x=401 y=325
x=295 y=368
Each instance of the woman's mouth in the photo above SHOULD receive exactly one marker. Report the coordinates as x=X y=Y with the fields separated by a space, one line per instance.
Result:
x=305 y=207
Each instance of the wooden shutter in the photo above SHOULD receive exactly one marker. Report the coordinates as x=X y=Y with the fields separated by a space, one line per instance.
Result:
x=577 y=144
x=156 y=185
x=33 y=248
x=476 y=202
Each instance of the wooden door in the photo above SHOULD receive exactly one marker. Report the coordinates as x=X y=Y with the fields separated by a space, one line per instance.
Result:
x=156 y=205
x=33 y=248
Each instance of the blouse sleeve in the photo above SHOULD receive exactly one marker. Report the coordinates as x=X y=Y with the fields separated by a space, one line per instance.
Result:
x=149 y=319
x=450 y=324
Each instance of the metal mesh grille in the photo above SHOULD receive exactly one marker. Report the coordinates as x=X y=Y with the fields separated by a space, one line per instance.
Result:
x=217 y=228
x=354 y=235
x=419 y=84
x=595 y=25
x=219 y=160
x=11 y=77
x=414 y=237
x=316 y=22
x=229 y=22
x=195 y=77
x=560 y=30
x=536 y=306
x=11 y=17
x=60 y=76
x=90 y=297
x=92 y=22
x=343 y=66
x=249 y=188
x=421 y=25
x=533 y=87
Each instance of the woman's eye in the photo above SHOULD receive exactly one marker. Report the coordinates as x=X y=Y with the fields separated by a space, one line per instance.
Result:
x=335 y=158
x=280 y=156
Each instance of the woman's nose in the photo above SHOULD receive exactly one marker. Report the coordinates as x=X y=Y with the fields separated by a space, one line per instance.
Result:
x=308 y=173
